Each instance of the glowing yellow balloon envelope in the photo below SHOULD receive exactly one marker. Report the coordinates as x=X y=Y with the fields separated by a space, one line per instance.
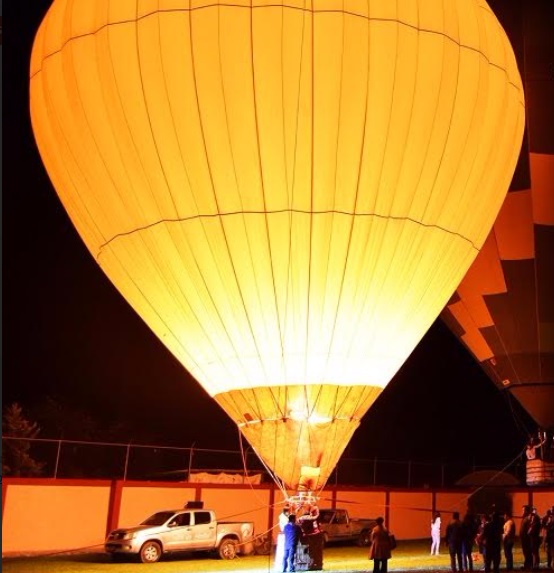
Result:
x=286 y=194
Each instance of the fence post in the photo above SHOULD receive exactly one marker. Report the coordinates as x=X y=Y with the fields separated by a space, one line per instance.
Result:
x=57 y=459
x=190 y=460
x=126 y=461
x=114 y=506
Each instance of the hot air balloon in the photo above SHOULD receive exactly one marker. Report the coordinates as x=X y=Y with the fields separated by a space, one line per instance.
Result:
x=503 y=310
x=287 y=194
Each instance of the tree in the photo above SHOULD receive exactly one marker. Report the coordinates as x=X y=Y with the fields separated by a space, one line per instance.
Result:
x=61 y=419
x=16 y=458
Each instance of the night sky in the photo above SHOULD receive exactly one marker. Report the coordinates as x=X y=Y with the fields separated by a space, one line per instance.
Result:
x=69 y=335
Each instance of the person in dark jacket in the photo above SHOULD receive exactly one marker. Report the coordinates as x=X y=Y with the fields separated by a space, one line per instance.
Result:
x=454 y=538
x=548 y=529
x=469 y=532
x=492 y=539
x=525 y=538
x=380 y=550
x=292 y=534
x=484 y=518
x=535 y=538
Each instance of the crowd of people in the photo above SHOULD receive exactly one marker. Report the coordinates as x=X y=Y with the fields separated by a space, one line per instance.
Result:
x=296 y=528
x=471 y=540
x=494 y=536
x=304 y=529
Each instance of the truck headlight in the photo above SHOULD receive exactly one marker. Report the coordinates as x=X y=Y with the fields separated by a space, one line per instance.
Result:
x=128 y=536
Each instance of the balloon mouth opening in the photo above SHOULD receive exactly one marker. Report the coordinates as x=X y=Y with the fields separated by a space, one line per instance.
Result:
x=305 y=498
x=311 y=418
x=308 y=478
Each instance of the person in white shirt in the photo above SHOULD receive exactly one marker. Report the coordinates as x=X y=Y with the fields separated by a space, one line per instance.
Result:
x=435 y=534
x=283 y=518
x=508 y=539
x=280 y=548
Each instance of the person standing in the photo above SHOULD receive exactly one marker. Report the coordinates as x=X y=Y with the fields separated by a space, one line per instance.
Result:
x=280 y=547
x=283 y=518
x=508 y=540
x=492 y=539
x=535 y=538
x=380 y=550
x=469 y=531
x=479 y=537
x=525 y=538
x=292 y=534
x=436 y=534
x=313 y=537
x=454 y=537
x=548 y=529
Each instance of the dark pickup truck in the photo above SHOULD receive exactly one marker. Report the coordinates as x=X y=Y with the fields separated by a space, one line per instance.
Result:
x=337 y=525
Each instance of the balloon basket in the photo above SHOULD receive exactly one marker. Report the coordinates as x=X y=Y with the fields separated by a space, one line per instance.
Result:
x=302 y=502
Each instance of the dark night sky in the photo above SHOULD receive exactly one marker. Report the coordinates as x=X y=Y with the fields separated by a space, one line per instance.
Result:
x=68 y=333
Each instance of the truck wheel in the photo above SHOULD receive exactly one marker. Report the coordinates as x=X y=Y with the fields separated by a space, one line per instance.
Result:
x=150 y=552
x=228 y=549
x=363 y=540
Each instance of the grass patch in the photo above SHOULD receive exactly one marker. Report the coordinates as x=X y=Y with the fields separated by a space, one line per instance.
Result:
x=409 y=556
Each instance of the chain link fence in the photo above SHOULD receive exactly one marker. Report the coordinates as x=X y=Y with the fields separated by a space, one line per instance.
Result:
x=102 y=460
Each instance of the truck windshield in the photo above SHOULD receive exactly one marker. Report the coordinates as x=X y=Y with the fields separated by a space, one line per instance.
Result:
x=158 y=518
x=325 y=516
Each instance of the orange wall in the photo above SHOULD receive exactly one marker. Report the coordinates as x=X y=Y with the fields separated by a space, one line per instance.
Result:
x=361 y=503
x=543 y=500
x=54 y=517
x=47 y=515
x=410 y=514
x=138 y=502
x=240 y=505
x=448 y=503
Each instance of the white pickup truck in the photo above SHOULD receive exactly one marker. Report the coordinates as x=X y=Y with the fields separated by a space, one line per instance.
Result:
x=181 y=530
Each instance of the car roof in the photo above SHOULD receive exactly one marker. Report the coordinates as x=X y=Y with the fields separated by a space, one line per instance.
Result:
x=180 y=509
